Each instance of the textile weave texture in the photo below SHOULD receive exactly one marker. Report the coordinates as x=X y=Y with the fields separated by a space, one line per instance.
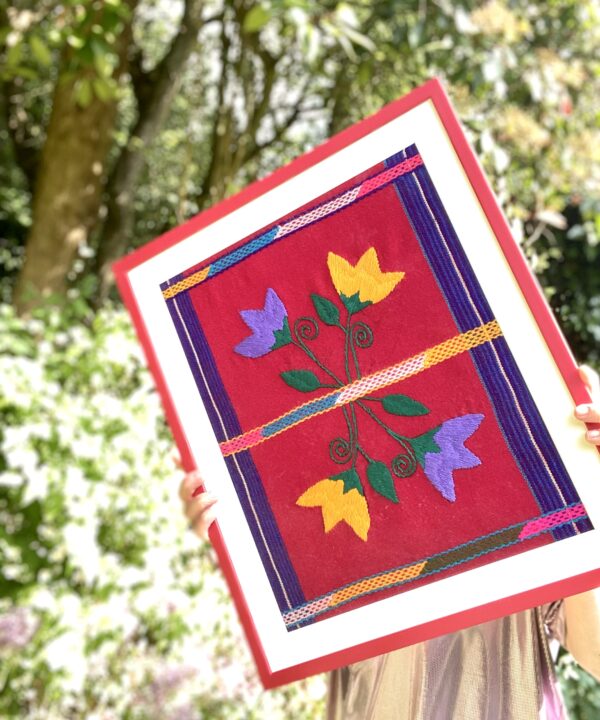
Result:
x=374 y=422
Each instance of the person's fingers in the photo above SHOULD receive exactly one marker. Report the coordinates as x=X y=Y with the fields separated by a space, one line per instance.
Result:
x=195 y=507
x=591 y=379
x=588 y=413
x=203 y=522
x=593 y=436
x=189 y=484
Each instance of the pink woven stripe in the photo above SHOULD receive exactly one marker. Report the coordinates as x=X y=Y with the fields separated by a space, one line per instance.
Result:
x=387 y=176
x=305 y=611
x=557 y=518
x=382 y=378
x=329 y=207
x=241 y=442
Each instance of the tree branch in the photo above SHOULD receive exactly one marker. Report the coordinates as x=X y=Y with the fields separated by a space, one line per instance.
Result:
x=155 y=92
x=219 y=126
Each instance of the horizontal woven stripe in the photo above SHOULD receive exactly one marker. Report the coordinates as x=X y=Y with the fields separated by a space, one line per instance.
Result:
x=564 y=515
x=353 y=591
x=383 y=178
x=186 y=283
x=376 y=583
x=437 y=563
x=359 y=388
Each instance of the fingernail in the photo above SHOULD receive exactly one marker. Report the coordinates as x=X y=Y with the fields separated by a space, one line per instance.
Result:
x=197 y=491
x=582 y=410
x=594 y=434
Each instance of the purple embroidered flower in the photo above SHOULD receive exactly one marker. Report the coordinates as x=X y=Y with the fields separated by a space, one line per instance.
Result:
x=270 y=328
x=442 y=450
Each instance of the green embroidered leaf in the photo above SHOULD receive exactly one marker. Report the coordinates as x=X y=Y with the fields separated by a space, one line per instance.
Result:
x=283 y=336
x=326 y=310
x=353 y=304
x=423 y=444
x=351 y=480
x=303 y=380
x=381 y=480
x=403 y=405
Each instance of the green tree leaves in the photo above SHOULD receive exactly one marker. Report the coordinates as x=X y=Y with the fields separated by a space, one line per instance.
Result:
x=256 y=18
x=40 y=50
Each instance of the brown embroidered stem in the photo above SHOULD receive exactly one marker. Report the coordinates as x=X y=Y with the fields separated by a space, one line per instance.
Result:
x=361 y=450
x=346 y=344
x=340 y=449
x=405 y=463
x=307 y=328
x=380 y=422
x=361 y=336
x=355 y=426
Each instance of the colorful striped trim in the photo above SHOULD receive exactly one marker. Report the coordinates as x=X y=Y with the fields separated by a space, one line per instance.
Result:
x=458 y=555
x=359 y=388
x=545 y=523
x=319 y=212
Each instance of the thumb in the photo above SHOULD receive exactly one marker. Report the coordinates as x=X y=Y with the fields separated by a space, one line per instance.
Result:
x=591 y=380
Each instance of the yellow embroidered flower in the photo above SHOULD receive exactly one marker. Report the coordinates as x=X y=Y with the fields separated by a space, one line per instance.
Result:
x=338 y=504
x=361 y=284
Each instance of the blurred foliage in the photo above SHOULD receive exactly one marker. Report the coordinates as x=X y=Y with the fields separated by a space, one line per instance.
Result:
x=581 y=692
x=109 y=607
x=524 y=78
x=108 y=610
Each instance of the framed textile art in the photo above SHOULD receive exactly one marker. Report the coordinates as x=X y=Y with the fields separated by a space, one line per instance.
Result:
x=355 y=355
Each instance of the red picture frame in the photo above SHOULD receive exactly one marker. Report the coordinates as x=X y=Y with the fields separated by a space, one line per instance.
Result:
x=431 y=92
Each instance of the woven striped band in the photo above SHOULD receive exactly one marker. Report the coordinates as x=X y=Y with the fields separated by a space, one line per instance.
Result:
x=443 y=561
x=366 y=385
x=368 y=186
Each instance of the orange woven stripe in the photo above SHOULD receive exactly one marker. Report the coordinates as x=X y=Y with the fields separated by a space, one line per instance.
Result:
x=186 y=283
x=459 y=343
x=376 y=583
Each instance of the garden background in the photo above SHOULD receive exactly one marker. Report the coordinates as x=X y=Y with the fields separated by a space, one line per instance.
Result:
x=122 y=118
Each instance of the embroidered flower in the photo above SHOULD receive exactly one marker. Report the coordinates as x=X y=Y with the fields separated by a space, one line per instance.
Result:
x=362 y=284
x=340 y=498
x=441 y=451
x=270 y=328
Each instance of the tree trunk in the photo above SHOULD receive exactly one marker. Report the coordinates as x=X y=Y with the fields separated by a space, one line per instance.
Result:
x=155 y=92
x=67 y=193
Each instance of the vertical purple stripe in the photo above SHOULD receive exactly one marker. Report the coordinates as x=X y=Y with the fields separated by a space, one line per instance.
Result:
x=465 y=316
x=530 y=409
x=242 y=466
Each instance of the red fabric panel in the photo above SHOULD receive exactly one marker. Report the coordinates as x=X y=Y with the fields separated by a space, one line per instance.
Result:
x=412 y=318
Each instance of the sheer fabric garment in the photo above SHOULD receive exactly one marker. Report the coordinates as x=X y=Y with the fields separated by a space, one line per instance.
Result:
x=500 y=670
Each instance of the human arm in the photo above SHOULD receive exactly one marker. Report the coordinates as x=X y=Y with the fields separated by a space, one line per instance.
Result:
x=582 y=612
